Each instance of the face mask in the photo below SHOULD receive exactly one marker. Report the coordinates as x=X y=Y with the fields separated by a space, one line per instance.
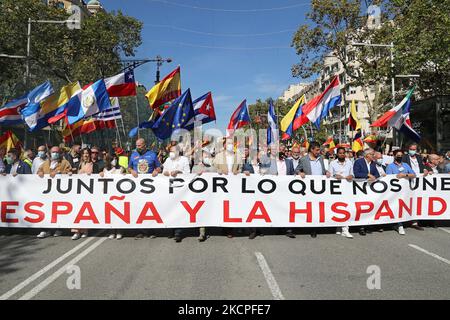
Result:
x=140 y=150
x=114 y=162
x=55 y=156
x=296 y=157
x=207 y=161
x=341 y=159
x=380 y=162
x=42 y=154
x=412 y=152
x=398 y=159
x=9 y=160
x=230 y=147
x=172 y=155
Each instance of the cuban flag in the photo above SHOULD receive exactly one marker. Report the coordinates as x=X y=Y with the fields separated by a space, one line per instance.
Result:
x=89 y=101
x=121 y=85
x=10 y=112
x=239 y=118
x=204 y=111
x=272 y=130
x=321 y=105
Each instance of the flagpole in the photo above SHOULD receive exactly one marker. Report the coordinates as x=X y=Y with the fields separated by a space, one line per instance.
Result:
x=137 y=114
x=118 y=133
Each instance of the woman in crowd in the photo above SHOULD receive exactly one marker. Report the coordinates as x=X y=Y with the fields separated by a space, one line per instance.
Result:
x=86 y=166
x=111 y=168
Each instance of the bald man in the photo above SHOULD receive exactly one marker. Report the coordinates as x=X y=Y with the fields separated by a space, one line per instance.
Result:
x=143 y=161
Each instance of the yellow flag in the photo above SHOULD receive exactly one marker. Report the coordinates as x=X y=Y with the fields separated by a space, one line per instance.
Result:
x=353 y=120
x=60 y=98
x=289 y=117
x=168 y=89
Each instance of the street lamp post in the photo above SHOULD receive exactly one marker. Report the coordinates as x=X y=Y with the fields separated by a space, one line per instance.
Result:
x=159 y=62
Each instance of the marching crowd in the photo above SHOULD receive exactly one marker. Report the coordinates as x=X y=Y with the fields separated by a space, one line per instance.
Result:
x=174 y=159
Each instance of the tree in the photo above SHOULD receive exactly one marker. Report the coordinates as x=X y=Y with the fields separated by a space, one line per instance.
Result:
x=418 y=29
x=58 y=53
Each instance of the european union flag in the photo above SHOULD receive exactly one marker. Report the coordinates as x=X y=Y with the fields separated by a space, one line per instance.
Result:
x=175 y=117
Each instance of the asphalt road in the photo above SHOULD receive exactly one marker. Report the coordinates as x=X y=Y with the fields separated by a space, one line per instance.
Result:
x=415 y=266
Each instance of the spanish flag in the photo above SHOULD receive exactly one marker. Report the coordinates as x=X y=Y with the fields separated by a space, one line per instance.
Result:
x=330 y=143
x=78 y=128
x=353 y=120
x=371 y=138
x=9 y=141
x=168 y=89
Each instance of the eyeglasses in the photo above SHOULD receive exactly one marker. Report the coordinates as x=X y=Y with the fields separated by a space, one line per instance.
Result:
x=94 y=151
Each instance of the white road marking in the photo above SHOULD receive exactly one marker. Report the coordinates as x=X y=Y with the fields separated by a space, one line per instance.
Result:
x=41 y=286
x=273 y=285
x=434 y=255
x=29 y=280
x=443 y=229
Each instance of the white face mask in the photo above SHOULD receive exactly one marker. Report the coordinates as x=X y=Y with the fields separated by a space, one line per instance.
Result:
x=207 y=161
x=114 y=162
x=230 y=147
x=380 y=162
x=172 y=155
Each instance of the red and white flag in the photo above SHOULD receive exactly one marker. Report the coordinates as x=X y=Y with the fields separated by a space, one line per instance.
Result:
x=121 y=85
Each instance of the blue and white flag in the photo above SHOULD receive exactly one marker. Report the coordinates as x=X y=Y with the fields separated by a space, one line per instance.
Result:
x=87 y=102
x=31 y=113
x=272 y=130
x=112 y=113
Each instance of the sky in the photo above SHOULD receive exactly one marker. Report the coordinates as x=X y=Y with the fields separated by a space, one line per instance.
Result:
x=236 y=49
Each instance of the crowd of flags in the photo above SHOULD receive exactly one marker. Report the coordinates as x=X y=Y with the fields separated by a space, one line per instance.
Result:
x=96 y=106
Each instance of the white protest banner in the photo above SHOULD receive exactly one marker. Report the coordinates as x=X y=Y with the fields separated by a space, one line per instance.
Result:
x=185 y=201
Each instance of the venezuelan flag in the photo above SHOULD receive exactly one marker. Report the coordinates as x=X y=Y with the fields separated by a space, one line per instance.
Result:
x=168 y=89
x=287 y=123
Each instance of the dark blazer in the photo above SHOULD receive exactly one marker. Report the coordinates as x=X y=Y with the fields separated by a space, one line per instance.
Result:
x=304 y=165
x=23 y=168
x=407 y=159
x=289 y=167
x=360 y=169
x=247 y=166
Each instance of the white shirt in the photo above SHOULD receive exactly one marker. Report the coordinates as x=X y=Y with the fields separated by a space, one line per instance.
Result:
x=113 y=171
x=380 y=170
x=177 y=164
x=344 y=169
x=415 y=165
x=281 y=167
x=295 y=162
x=230 y=162
x=316 y=167
x=14 y=168
x=37 y=162
x=368 y=165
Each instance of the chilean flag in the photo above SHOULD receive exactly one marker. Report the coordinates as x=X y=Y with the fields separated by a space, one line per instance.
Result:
x=239 y=118
x=321 y=105
x=9 y=113
x=121 y=85
x=204 y=111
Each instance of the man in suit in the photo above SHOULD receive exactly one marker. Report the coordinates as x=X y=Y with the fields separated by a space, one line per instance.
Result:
x=276 y=163
x=366 y=168
x=414 y=160
x=14 y=165
x=312 y=164
x=228 y=162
